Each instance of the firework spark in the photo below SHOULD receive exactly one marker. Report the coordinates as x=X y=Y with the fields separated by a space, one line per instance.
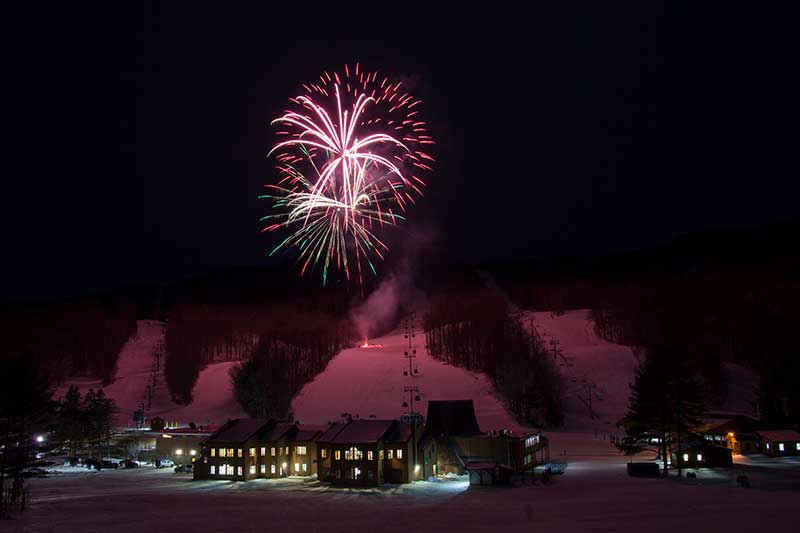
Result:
x=350 y=152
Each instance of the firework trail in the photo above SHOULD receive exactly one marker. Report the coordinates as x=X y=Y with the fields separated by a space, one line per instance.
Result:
x=350 y=154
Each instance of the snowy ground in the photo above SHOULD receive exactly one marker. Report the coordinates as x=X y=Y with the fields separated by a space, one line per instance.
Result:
x=594 y=494
x=213 y=393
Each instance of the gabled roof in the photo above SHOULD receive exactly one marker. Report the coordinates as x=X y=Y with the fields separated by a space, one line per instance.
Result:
x=306 y=435
x=329 y=434
x=778 y=435
x=451 y=417
x=400 y=433
x=238 y=430
x=275 y=431
x=363 y=431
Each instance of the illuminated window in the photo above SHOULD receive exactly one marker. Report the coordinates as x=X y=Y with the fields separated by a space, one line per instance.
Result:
x=768 y=445
x=324 y=453
x=205 y=460
x=337 y=454
x=699 y=456
x=213 y=452
x=263 y=452
x=178 y=452
x=238 y=452
x=685 y=457
x=230 y=452
x=272 y=451
x=287 y=450
x=213 y=470
x=263 y=469
x=252 y=469
x=390 y=454
x=296 y=467
x=238 y=470
x=301 y=450
x=399 y=454
x=229 y=469
x=780 y=446
x=797 y=446
x=305 y=467
x=369 y=455
x=380 y=455
x=272 y=469
x=252 y=452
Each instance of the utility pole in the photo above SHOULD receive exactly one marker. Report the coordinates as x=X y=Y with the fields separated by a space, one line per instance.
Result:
x=554 y=343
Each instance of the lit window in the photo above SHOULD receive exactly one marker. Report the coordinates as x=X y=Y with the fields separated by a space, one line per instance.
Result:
x=238 y=452
x=337 y=454
x=263 y=452
x=324 y=453
x=213 y=470
x=178 y=452
x=272 y=469
x=230 y=452
x=296 y=467
x=797 y=446
x=390 y=454
x=287 y=450
x=205 y=460
x=301 y=450
x=380 y=455
x=272 y=451
x=768 y=445
x=238 y=470
x=399 y=454
x=369 y=455
x=263 y=469
x=252 y=452
x=252 y=469
x=685 y=457
x=305 y=467
x=699 y=456
x=213 y=452
x=780 y=446
x=229 y=469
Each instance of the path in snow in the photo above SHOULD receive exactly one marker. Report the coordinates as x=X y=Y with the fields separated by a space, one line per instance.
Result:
x=370 y=382
x=589 y=364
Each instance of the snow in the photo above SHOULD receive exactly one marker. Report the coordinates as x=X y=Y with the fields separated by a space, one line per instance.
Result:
x=589 y=365
x=371 y=381
x=213 y=401
x=594 y=494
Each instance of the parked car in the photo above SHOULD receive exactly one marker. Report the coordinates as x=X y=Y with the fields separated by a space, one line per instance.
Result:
x=101 y=465
x=184 y=469
x=91 y=463
x=73 y=461
x=164 y=463
x=129 y=463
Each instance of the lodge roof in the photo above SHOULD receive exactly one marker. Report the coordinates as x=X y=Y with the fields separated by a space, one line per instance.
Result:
x=275 y=431
x=451 y=417
x=306 y=435
x=400 y=433
x=329 y=434
x=777 y=435
x=362 y=431
x=238 y=430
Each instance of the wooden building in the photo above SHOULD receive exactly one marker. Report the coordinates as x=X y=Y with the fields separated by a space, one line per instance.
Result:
x=779 y=442
x=701 y=454
x=366 y=452
x=246 y=449
x=736 y=432
x=453 y=442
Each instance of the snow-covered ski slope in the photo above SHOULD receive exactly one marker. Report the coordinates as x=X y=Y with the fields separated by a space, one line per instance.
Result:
x=213 y=401
x=597 y=374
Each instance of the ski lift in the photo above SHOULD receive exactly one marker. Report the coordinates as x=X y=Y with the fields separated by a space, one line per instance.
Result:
x=416 y=370
x=405 y=353
x=405 y=372
x=405 y=404
x=416 y=398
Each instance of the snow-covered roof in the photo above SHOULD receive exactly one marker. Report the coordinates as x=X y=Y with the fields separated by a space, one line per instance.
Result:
x=780 y=435
x=238 y=430
x=363 y=431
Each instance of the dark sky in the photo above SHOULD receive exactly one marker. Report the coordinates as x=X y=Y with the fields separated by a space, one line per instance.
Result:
x=137 y=132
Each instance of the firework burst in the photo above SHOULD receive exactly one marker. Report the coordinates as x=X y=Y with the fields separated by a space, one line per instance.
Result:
x=349 y=157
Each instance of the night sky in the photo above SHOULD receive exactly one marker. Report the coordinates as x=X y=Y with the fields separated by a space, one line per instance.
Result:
x=138 y=132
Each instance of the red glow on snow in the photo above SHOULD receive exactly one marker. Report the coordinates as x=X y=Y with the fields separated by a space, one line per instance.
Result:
x=368 y=345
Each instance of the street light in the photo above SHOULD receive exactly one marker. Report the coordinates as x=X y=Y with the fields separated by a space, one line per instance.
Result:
x=39 y=438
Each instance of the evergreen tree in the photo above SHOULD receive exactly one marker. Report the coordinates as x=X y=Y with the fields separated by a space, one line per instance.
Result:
x=70 y=422
x=665 y=405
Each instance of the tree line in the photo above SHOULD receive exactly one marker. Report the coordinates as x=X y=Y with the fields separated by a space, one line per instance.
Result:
x=474 y=330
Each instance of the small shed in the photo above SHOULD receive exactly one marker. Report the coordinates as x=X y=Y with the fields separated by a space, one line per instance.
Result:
x=701 y=455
